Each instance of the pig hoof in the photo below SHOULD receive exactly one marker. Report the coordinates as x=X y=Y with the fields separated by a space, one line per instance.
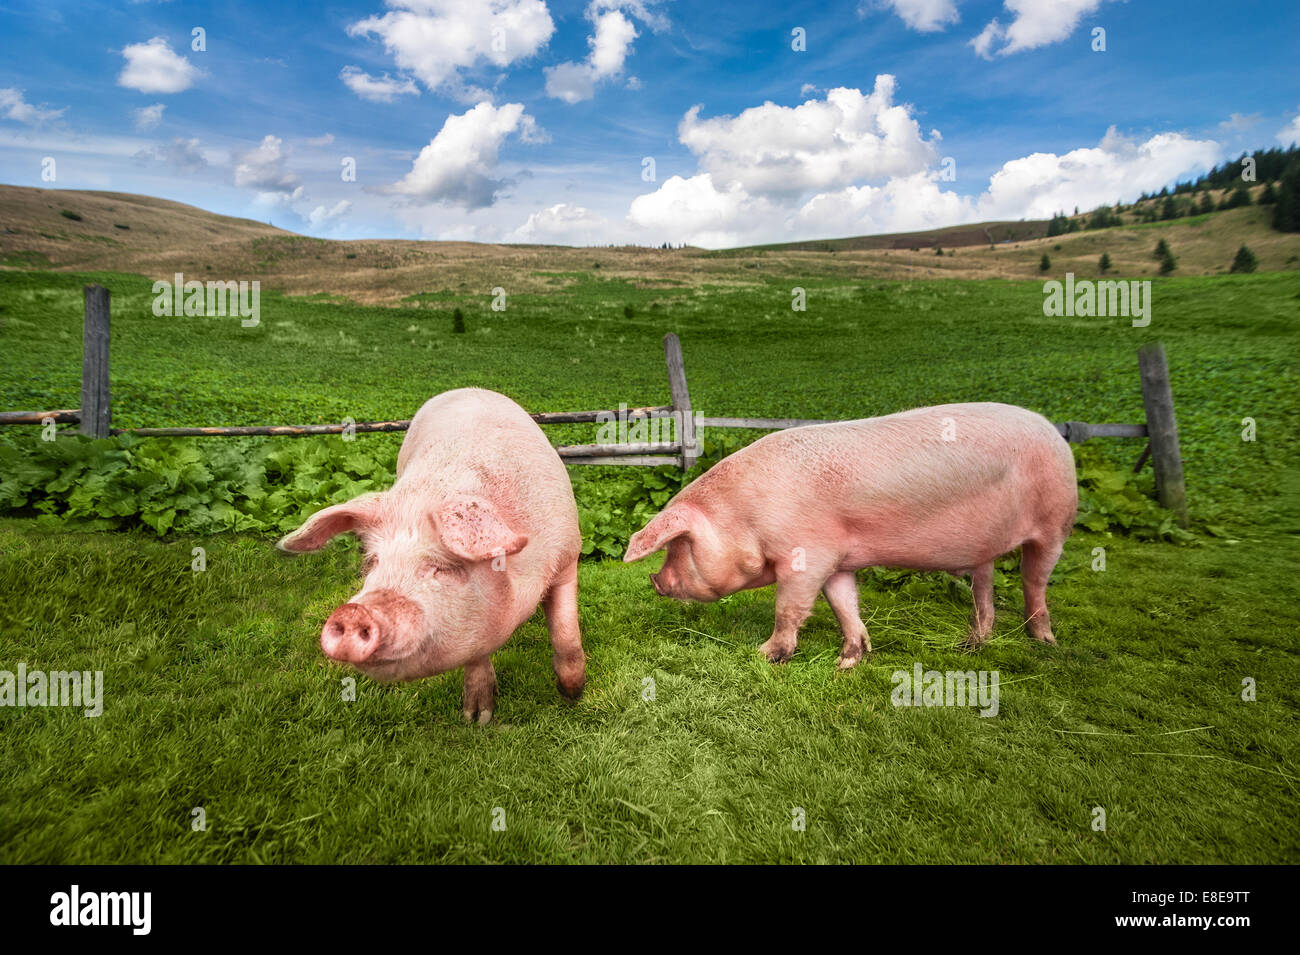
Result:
x=974 y=641
x=776 y=652
x=852 y=652
x=572 y=692
x=481 y=717
x=1046 y=638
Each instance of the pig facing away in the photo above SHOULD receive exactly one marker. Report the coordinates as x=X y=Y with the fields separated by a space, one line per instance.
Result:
x=479 y=527
x=949 y=488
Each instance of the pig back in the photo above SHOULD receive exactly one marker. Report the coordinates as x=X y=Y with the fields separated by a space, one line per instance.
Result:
x=478 y=442
x=901 y=485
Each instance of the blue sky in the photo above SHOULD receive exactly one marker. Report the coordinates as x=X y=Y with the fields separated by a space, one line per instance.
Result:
x=532 y=120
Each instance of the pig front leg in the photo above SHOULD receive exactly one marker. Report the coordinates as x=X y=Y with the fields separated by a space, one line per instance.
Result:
x=795 y=596
x=841 y=590
x=480 y=691
x=566 y=638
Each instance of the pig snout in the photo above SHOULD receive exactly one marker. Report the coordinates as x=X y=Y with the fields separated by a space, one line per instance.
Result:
x=351 y=634
x=658 y=585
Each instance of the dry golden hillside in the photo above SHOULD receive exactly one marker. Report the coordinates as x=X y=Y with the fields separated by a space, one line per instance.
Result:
x=82 y=230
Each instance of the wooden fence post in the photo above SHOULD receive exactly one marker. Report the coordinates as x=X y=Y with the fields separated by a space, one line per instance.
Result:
x=1162 y=429
x=96 y=415
x=681 y=401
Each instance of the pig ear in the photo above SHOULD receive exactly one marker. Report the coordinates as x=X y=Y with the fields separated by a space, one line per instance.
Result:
x=472 y=529
x=667 y=525
x=325 y=525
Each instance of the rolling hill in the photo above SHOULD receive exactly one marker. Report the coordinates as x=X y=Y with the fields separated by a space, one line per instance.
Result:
x=83 y=230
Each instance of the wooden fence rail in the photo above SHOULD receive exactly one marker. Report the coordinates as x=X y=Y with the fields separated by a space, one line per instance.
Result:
x=683 y=450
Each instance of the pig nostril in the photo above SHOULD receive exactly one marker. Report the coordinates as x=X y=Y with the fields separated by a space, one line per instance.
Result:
x=335 y=629
x=364 y=634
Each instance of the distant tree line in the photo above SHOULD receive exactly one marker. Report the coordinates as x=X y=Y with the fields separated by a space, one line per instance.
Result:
x=1278 y=169
x=1270 y=165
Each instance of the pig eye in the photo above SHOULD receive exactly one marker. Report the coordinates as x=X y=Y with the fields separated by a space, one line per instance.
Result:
x=430 y=569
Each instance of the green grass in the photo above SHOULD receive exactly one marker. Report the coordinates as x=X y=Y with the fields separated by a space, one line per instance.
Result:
x=216 y=695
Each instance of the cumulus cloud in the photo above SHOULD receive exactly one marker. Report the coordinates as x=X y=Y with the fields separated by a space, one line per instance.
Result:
x=571 y=82
x=377 y=89
x=148 y=117
x=1041 y=184
x=433 y=40
x=697 y=211
x=609 y=47
x=1290 y=133
x=322 y=215
x=903 y=204
x=458 y=164
x=13 y=106
x=853 y=165
x=563 y=224
x=264 y=168
x=1034 y=23
x=821 y=144
x=154 y=67
x=924 y=15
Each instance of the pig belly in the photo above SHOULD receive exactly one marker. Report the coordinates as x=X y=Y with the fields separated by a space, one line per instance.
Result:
x=955 y=538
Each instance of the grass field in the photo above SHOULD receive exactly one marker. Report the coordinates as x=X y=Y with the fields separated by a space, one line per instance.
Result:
x=216 y=694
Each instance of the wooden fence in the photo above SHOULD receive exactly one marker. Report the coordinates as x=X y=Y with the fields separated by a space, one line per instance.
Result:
x=95 y=416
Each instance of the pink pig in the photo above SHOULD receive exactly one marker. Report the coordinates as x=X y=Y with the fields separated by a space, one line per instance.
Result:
x=479 y=527
x=949 y=488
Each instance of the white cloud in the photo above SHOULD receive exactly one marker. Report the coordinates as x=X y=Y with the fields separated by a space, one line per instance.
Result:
x=322 y=216
x=153 y=67
x=318 y=141
x=13 y=106
x=571 y=82
x=148 y=117
x=1290 y=133
x=377 y=89
x=1041 y=184
x=903 y=204
x=775 y=174
x=1034 y=23
x=1237 y=123
x=183 y=155
x=435 y=39
x=696 y=211
x=610 y=44
x=458 y=163
x=563 y=224
x=821 y=144
x=925 y=15
x=263 y=168
x=983 y=42
x=280 y=200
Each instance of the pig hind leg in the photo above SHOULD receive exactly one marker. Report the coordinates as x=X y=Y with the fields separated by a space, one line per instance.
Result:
x=1036 y=562
x=480 y=691
x=981 y=621
x=841 y=590
x=570 y=663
